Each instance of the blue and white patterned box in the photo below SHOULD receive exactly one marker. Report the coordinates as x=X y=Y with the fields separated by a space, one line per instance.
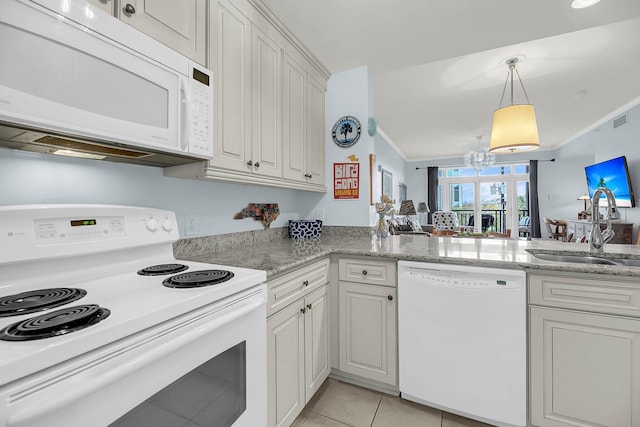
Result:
x=305 y=228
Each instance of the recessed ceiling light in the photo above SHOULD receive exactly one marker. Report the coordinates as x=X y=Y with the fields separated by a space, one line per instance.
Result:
x=581 y=4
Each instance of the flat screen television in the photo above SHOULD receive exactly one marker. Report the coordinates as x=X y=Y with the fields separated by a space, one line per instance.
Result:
x=613 y=174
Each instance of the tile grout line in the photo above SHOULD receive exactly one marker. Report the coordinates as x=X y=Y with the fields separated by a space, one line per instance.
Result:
x=376 y=413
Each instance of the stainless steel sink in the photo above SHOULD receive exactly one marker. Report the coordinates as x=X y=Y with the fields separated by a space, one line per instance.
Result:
x=576 y=259
x=584 y=258
x=629 y=262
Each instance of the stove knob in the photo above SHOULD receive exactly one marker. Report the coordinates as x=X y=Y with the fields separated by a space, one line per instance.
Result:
x=167 y=225
x=152 y=224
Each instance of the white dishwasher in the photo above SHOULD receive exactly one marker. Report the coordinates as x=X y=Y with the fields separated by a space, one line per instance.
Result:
x=462 y=340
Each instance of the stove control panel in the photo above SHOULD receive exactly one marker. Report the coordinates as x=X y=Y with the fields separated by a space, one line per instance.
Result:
x=60 y=230
x=32 y=232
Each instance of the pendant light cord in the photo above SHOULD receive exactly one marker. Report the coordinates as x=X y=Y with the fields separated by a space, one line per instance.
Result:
x=512 y=68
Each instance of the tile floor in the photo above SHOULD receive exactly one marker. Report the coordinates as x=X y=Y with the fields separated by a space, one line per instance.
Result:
x=338 y=404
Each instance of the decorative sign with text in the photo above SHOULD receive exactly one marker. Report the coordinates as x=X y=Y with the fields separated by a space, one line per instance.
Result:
x=346 y=180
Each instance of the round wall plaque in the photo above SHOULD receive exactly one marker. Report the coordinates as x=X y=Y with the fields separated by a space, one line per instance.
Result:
x=346 y=131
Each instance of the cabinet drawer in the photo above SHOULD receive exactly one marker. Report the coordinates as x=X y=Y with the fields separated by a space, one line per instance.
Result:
x=367 y=271
x=286 y=289
x=602 y=295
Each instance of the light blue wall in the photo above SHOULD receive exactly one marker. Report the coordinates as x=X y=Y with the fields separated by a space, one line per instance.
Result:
x=31 y=178
x=389 y=159
x=562 y=181
x=348 y=94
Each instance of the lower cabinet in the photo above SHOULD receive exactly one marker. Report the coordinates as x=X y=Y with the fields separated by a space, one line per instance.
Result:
x=297 y=355
x=368 y=337
x=585 y=355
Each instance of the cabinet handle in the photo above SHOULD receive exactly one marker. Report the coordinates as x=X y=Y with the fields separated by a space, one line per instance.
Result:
x=310 y=176
x=303 y=310
x=309 y=306
x=128 y=8
x=305 y=283
x=364 y=272
x=390 y=297
x=249 y=163
x=257 y=164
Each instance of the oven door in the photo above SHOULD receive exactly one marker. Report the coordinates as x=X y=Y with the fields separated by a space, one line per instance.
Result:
x=206 y=368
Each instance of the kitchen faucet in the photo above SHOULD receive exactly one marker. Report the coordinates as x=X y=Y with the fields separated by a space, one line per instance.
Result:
x=598 y=238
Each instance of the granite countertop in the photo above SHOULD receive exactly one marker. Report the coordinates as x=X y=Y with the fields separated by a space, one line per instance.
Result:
x=281 y=255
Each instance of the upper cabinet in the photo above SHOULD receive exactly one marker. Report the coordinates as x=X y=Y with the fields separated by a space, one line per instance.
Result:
x=270 y=100
x=303 y=120
x=181 y=25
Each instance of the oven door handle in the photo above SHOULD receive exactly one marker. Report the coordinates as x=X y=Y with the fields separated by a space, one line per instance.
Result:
x=96 y=373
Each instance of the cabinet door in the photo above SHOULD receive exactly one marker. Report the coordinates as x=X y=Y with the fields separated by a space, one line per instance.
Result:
x=585 y=369
x=315 y=132
x=285 y=364
x=231 y=41
x=267 y=105
x=294 y=119
x=317 y=356
x=368 y=336
x=181 y=25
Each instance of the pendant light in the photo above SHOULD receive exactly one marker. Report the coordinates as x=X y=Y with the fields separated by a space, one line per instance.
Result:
x=514 y=126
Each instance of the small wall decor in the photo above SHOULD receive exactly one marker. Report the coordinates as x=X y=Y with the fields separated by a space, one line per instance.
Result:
x=353 y=158
x=263 y=212
x=346 y=131
x=346 y=181
x=387 y=183
x=402 y=194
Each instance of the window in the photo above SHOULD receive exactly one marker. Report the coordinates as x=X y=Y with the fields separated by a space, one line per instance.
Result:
x=499 y=195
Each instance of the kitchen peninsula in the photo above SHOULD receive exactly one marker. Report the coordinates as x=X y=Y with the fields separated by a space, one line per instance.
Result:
x=573 y=309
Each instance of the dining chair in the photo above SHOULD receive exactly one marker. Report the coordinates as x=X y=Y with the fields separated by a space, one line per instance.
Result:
x=557 y=229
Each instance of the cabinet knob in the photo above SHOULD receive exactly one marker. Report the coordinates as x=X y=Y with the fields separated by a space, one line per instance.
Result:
x=310 y=176
x=257 y=164
x=303 y=310
x=128 y=8
x=305 y=283
x=309 y=306
x=249 y=163
x=390 y=297
x=364 y=272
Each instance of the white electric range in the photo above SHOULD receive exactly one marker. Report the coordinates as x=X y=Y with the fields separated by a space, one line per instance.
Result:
x=101 y=325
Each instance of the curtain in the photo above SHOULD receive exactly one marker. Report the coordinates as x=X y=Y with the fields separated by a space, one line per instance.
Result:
x=534 y=206
x=432 y=191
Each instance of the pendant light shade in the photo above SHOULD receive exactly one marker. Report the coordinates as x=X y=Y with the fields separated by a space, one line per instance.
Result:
x=514 y=127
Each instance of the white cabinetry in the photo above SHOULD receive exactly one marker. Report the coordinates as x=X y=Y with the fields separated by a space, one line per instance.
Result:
x=298 y=353
x=230 y=33
x=368 y=319
x=181 y=25
x=266 y=153
x=270 y=100
x=585 y=351
x=303 y=120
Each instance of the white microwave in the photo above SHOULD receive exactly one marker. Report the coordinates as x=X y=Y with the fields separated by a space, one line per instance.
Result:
x=77 y=80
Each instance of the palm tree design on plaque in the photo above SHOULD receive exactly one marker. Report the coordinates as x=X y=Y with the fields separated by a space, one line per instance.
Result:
x=602 y=183
x=345 y=130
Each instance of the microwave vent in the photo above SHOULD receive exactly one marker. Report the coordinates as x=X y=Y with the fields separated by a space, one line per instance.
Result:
x=69 y=144
x=622 y=120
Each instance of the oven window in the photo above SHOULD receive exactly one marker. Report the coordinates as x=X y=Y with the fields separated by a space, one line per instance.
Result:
x=212 y=395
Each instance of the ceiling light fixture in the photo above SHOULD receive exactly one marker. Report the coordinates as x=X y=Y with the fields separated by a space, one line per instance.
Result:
x=514 y=127
x=479 y=157
x=581 y=4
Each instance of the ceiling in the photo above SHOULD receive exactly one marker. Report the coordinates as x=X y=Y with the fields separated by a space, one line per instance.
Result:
x=438 y=66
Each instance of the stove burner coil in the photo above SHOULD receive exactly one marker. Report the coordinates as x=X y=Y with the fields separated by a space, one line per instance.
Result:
x=38 y=300
x=58 y=322
x=161 y=269
x=198 y=279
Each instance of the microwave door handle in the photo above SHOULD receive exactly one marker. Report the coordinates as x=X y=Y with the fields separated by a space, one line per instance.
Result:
x=184 y=116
